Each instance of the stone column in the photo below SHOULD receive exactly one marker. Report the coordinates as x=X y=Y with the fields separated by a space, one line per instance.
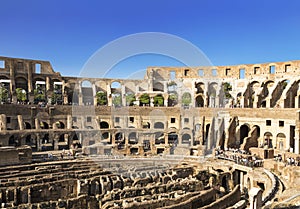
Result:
x=29 y=81
x=255 y=198
x=151 y=102
x=297 y=143
x=80 y=99
x=242 y=102
x=241 y=180
x=20 y=122
x=109 y=96
x=123 y=95
x=37 y=123
x=297 y=105
x=113 y=139
x=268 y=102
x=12 y=83
x=94 y=88
x=69 y=121
x=166 y=101
x=255 y=101
x=3 y=122
x=55 y=139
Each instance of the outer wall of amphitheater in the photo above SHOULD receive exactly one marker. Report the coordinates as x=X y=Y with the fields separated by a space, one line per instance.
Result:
x=190 y=111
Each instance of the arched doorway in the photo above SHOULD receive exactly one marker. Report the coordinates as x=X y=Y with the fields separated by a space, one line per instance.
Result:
x=268 y=140
x=244 y=131
x=159 y=125
x=199 y=101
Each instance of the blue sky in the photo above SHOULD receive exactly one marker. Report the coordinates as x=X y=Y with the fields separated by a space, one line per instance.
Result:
x=229 y=32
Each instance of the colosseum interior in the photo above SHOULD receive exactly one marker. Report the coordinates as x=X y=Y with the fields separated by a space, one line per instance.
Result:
x=182 y=137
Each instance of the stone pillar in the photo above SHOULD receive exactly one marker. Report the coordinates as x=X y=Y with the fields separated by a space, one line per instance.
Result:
x=29 y=81
x=80 y=99
x=48 y=84
x=123 y=95
x=12 y=83
x=297 y=105
x=109 y=96
x=255 y=198
x=94 y=88
x=20 y=122
x=255 y=101
x=37 y=123
x=166 y=101
x=55 y=139
x=137 y=102
x=241 y=180
x=3 y=122
x=151 y=102
x=38 y=141
x=296 y=141
x=69 y=121
x=242 y=101
x=268 y=102
x=217 y=101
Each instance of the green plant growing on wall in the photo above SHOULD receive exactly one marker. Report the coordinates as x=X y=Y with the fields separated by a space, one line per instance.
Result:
x=130 y=98
x=158 y=100
x=172 y=100
x=101 y=98
x=144 y=99
x=227 y=88
x=117 y=99
x=3 y=94
x=21 y=94
x=186 y=99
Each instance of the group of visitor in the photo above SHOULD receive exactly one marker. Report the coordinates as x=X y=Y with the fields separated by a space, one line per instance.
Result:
x=238 y=156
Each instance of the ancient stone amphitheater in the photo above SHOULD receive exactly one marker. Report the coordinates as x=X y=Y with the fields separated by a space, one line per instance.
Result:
x=200 y=137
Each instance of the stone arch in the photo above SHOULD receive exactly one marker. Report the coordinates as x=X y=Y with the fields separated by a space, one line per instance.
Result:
x=172 y=138
x=61 y=138
x=130 y=98
x=21 y=90
x=281 y=141
x=186 y=139
x=21 y=82
x=114 y=85
x=101 y=98
x=199 y=101
x=104 y=125
x=159 y=138
x=186 y=99
x=144 y=99
x=106 y=136
x=44 y=125
x=172 y=99
x=244 y=131
x=158 y=87
x=13 y=141
x=132 y=138
x=158 y=100
x=27 y=125
x=200 y=88
x=207 y=127
x=159 y=125
x=146 y=125
x=59 y=125
x=87 y=92
x=119 y=136
x=268 y=140
x=72 y=93
x=40 y=90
